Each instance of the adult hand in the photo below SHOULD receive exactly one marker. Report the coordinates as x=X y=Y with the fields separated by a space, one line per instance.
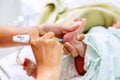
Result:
x=48 y=54
x=59 y=30
x=71 y=50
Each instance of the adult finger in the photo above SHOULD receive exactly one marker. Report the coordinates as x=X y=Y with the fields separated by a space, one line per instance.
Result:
x=70 y=29
x=48 y=35
x=66 y=51
x=71 y=49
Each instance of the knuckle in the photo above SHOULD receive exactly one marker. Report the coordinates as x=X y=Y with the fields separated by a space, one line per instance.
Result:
x=51 y=33
x=33 y=42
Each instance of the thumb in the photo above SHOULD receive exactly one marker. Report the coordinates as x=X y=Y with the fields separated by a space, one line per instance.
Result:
x=71 y=28
x=80 y=37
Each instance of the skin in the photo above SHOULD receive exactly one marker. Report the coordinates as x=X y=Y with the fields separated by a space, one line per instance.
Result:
x=79 y=61
x=117 y=25
x=71 y=38
x=44 y=48
x=74 y=46
x=59 y=30
x=6 y=33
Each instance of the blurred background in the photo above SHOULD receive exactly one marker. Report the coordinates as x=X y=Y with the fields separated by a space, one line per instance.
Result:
x=26 y=13
x=18 y=13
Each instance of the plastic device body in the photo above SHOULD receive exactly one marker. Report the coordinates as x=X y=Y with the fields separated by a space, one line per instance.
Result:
x=21 y=38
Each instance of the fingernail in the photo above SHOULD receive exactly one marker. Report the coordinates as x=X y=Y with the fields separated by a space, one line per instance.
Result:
x=80 y=37
x=74 y=55
x=66 y=45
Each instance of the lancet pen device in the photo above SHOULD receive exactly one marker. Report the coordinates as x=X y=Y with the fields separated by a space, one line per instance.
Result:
x=26 y=39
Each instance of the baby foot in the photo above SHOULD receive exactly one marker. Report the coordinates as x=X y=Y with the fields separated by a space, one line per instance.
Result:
x=71 y=36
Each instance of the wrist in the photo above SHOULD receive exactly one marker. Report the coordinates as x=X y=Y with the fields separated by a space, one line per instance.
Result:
x=43 y=75
x=46 y=73
x=15 y=39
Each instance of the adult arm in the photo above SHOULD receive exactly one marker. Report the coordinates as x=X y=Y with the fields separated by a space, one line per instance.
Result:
x=7 y=32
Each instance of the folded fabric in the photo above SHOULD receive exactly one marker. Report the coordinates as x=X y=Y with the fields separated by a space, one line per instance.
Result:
x=102 y=58
x=51 y=10
x=97 y=14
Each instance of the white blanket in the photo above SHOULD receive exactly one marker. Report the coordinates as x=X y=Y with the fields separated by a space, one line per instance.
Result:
x=16 y=72
x=102 y=59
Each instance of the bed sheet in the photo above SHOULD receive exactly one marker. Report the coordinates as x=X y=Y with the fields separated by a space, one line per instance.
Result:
x=13 y=71
x=10 y=70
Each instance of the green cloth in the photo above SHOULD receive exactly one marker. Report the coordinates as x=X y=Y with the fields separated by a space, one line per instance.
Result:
x=98 y=14
x=51 y=10
x=102 y=58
